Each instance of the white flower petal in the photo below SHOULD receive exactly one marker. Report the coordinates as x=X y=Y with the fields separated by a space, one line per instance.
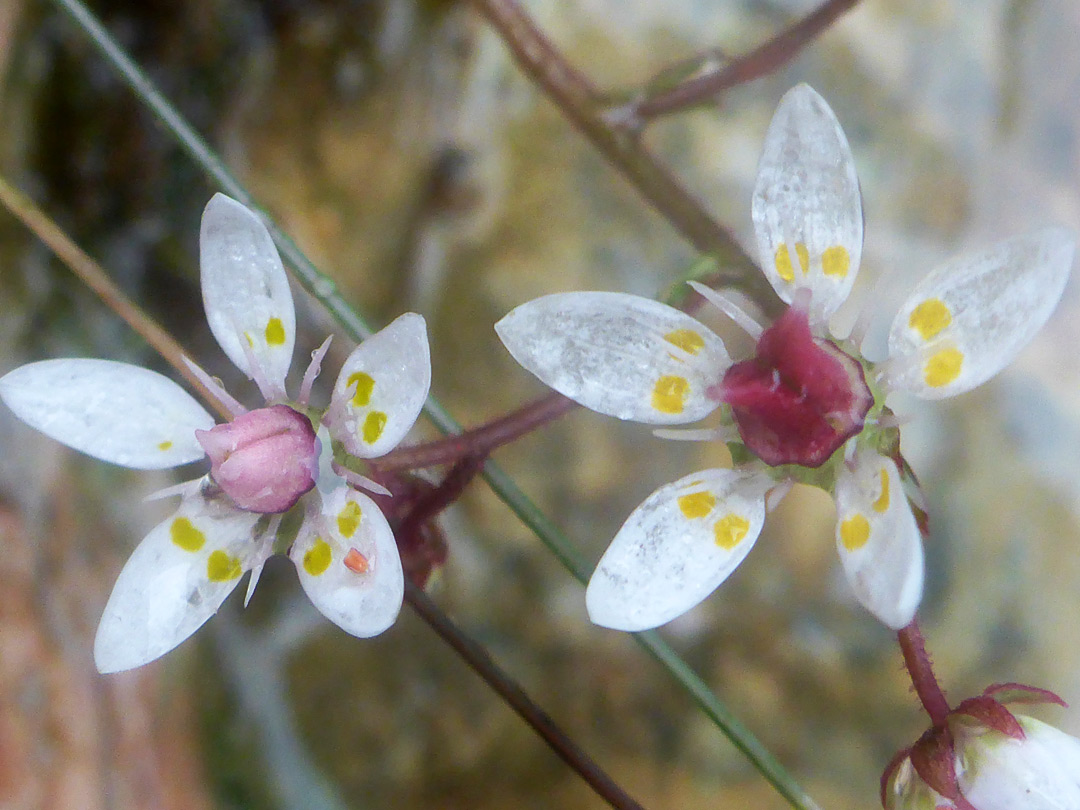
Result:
x=349 y=565
x=676 y=548
x=879 y=542
x=113 y=411
x=969 y=318
x=175 y=580
x=806 y=208
x=1041 y=772
x=618 y=354
x=381 y=388
x=245 y=291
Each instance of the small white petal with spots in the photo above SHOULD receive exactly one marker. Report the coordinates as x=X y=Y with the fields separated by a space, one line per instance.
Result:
x=807 y=209
x=246 y=292
x=676 y=548
x=618 y=354
x=360 y=592
x=175 y=580
x=1040 y=772
x=113 y=411
x=970 y=317
x=381 y=388
x=879 y=542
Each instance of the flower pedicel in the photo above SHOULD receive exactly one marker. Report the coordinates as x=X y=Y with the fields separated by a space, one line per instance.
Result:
x=805 y=407
x=264 y=462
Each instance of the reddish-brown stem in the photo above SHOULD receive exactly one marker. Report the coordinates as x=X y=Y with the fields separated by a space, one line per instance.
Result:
x=481 y=663
x=921 y=672
x=479 y=441
x=579 y=102
x=429 y=505
x=759 y=62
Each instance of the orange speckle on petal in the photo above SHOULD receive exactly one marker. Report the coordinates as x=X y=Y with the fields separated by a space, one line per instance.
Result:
x=356 y=562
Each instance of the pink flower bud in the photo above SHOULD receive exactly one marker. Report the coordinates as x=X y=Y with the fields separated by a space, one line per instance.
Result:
x=799 y=398
x=264 y=459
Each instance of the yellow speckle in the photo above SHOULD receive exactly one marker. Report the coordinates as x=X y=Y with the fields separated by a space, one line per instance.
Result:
x=249 y=339
x=943 y=367
x=373 y=426
x=783 y=260
x=686 y=339
x=930 y=317
x=220 y=567
x=184 y=534
x=854 y=532
x=317 y=558
x=275 y=332
x=835 y=261
x=696 y=504
x=882 y=502
x=365 y=384
x=163 y=446
x=348 y=519
x=729 y=531
x=669 y=394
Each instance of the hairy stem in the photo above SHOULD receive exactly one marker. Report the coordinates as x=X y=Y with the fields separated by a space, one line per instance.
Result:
x=761 y=61
x=921 y=671
x=580 y=103
x=481 y=663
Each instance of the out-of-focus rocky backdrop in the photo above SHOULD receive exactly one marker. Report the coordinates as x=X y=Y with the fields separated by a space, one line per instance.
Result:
x=398 y=144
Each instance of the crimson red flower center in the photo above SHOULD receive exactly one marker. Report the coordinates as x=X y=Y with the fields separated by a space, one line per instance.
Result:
x=799 y=398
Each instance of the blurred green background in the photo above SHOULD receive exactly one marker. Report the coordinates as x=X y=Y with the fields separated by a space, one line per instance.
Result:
x=414 y=164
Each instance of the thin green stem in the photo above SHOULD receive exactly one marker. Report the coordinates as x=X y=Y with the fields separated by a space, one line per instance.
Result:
x=472 y=653
x=477 y=657
x=325 y=291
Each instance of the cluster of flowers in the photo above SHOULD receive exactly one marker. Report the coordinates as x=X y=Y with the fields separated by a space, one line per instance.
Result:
x=807 y=407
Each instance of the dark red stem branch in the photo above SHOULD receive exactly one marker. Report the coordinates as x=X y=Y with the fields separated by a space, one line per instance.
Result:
x=479 y=441
x=759 y=62
x=481 y=663
x=921 y=671
x=580 y=103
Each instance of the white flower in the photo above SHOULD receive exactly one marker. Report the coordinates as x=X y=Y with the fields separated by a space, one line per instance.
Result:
x=987 y=769
x=801 y=398
x=264 y=461
x=1039 y=772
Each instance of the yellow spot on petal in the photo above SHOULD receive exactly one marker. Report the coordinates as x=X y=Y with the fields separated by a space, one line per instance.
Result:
x=669 y=394
x=356 y=562
x=275 y=332
x=250 y=340
x=220 y=567
x=365 y=384
x=696 y=505
x=835 y=261
x=686 y=339
x=783 y=260
x=348 y=519
x=882 y=502
x=317 y=558
x=373 y=426
x=930 y=317
x=854 y=532
x=163 y=446
x=943 y=367
x=729 y=531
x=184 y=534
